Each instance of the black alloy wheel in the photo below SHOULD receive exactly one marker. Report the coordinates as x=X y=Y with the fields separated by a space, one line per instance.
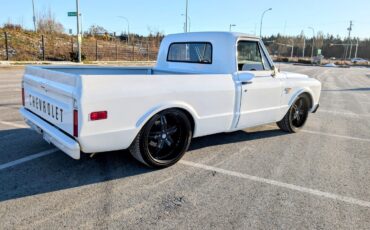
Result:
x=296 y=116
x=163 y=140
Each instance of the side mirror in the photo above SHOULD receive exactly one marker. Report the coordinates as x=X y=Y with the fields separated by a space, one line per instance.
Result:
x=275 y=71
x=246 y=78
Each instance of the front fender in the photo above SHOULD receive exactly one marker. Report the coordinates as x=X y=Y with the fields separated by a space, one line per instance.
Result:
x=299 y=92
x=167 y=105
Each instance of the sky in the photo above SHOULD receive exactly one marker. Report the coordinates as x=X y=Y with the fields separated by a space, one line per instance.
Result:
x=287 y=17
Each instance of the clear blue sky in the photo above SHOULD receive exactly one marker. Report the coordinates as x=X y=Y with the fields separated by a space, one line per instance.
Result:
x=287 y=17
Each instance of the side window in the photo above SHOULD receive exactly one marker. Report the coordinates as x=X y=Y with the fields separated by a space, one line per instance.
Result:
x=249 y=56
x=191 y=52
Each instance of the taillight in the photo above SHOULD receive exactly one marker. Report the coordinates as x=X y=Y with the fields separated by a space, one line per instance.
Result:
x=23 y=103
x=100 y=115
x=75 y=123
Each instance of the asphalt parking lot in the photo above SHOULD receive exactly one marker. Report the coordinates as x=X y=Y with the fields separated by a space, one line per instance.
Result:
x=259 y=178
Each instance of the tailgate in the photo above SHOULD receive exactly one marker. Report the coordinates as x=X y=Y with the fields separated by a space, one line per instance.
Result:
x=50 y=95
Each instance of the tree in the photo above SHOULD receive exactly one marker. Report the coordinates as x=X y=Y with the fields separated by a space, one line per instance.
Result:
x=46 y=23
x=95 y=30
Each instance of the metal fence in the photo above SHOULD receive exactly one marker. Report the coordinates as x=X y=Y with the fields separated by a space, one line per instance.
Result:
x=28 y=46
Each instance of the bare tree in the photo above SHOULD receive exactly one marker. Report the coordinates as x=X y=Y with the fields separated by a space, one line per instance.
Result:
x=95 y=30
x=46 y=23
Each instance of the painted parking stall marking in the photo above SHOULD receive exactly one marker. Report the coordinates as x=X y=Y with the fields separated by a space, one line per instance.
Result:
x=346 y=199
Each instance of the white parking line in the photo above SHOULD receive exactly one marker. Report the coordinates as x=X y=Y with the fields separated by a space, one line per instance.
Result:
x=14 y=124
x=315 y=192
x=343 y=113
x=329 y=134
x=335 y=135
x=27 y=158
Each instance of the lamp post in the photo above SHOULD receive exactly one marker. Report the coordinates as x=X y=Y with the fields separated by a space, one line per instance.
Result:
x=313 y=41
x=128 y=28
x=186 y=16
x=34 y=16
x=263 y=14
x=189 y=24
x=231 y=25
x=291 y=54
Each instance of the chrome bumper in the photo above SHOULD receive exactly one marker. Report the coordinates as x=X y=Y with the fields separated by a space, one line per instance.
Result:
x=52 y=135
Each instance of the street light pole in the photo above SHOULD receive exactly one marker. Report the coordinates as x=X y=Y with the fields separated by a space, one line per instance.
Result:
x=189 y=19
x=231 y=25
x=34 y=16
x=78 y=30
x=313 y=41
x=128 y=28
x=291 y=54
x=263 y=14
x=186 y=16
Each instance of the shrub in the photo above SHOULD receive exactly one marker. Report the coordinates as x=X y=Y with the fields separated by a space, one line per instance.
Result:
x=304 y=61
x=74 y=56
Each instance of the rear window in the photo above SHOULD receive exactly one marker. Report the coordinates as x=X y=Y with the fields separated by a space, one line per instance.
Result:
x=191 y=52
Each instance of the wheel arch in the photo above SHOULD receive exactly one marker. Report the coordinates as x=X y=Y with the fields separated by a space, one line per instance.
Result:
x=304 y=91
x=185 y=108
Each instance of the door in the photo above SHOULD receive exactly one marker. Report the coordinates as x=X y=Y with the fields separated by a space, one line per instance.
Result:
x=261 y=96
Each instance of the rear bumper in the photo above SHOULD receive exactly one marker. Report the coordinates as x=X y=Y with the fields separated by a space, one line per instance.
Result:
x=52 y=135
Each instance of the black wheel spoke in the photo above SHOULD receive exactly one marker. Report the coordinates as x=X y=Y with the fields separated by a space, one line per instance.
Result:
x=163 y=123
x=155 y=135
x=160 y=144
x=299 y=107
x=169 y=141
x=171 y=130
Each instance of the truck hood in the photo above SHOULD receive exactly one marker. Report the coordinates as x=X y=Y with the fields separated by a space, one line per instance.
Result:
x=294 y=75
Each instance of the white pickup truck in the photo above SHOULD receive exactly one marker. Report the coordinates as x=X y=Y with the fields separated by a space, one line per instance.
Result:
x=204 y=83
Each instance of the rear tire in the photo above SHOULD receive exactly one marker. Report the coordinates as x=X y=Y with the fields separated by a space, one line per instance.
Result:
x=297 y=115
x=163 y=140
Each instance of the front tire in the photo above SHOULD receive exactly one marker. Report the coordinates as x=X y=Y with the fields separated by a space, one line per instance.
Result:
x=297 y=115
x=163 y=140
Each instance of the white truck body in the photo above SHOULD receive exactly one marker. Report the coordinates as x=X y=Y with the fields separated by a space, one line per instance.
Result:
x=218 y=95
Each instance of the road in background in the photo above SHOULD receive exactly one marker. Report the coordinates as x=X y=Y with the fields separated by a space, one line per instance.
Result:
x=259 y=178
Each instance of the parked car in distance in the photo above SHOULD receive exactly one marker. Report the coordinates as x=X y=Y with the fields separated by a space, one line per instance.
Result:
x=203 y=83
x=360 y=61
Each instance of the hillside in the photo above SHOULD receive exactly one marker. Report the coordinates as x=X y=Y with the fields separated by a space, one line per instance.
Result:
x=28 y=46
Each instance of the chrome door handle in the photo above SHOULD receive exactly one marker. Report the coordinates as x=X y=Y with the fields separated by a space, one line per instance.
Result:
x=247 y=82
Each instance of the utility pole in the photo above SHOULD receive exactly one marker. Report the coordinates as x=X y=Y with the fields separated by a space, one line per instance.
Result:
x=349 y=40
x=78 y=30
x=34 y=16
x=186 y=16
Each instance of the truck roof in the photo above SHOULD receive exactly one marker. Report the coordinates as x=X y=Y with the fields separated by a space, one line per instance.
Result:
x=223 y=52
x=213 y=34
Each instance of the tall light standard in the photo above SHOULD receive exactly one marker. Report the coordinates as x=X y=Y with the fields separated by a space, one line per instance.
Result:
x=189 y=24
x=186 y=15
x=128 y=28
x=231 y=25
x=291 y=54
x=79 y=39
x=313 y=41
x=34 y=16
x=263 y=14
x=304 y=43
